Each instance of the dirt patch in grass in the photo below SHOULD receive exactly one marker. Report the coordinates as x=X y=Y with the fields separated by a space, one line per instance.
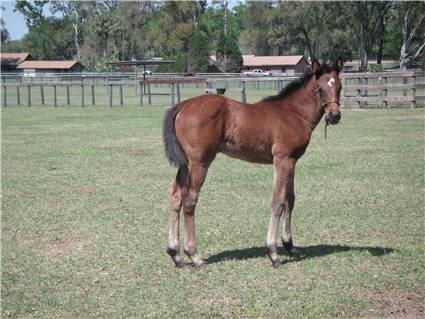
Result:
x=223 y=301
x=79 y=190
x=133 y=151
x=408 y=117
x=403 y=305
x=57 y=245
x=411 y=117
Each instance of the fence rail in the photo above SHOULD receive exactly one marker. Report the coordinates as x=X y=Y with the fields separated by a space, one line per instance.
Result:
x=359 y=89
x=383 y=88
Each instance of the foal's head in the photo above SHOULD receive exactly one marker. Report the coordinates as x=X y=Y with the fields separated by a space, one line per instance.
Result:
x=328 y=88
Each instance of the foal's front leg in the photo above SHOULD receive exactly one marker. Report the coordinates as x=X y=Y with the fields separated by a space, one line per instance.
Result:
x=283 y=170
x=288 y=206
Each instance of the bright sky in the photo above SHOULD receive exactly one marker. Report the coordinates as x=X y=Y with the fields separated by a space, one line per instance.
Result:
x=15 y=22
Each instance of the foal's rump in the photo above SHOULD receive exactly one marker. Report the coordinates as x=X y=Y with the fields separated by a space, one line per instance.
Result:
x=209 y=124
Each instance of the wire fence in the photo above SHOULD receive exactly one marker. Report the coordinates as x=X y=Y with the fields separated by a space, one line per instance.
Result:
x=120 y=89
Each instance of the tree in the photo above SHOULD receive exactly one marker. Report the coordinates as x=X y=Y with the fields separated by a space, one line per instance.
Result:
x=255 y=22
x=370 y=18
x=198 y=54
x=384 y=14
x=76 y=12
x=412 y=17
x=49 y=39
x=3 y=31
x=32 y=11
x=228 y=55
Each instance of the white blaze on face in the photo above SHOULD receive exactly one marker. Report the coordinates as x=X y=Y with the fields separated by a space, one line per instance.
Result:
x=331 y=82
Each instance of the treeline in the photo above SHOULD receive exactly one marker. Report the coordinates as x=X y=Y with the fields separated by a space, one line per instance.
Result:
x=98 y=31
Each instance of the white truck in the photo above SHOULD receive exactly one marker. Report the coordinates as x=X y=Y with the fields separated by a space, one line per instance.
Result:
x=257 y=72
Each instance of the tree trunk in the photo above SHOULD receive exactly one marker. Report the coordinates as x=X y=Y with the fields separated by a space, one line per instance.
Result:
x=381 y=35
x=75 y=25
x=363 y=50
x=403 y=50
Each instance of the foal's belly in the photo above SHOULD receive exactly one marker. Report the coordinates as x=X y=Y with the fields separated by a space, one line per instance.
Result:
x=248 y=154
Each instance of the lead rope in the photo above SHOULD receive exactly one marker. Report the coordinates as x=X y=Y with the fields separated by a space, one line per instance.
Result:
x=326 y=128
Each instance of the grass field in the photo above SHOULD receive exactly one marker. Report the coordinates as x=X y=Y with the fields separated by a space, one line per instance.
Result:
x=85 y=222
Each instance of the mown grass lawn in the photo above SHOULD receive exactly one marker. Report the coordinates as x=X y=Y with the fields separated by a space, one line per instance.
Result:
x=85 y=222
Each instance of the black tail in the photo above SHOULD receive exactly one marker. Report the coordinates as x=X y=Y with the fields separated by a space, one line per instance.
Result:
x=173 y=149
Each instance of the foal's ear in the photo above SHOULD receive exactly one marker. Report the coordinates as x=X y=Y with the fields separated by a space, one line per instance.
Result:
x=339 y=64
x=315 y=66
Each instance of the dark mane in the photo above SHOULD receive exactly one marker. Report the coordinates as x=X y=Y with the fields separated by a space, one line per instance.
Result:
x=296 y=84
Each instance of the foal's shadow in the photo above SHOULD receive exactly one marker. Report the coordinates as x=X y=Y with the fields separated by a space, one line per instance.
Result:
x=306 y=252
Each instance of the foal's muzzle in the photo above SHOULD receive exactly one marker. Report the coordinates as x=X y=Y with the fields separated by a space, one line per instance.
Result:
x=333 y=117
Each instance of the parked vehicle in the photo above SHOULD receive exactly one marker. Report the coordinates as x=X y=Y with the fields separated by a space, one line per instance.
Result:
x=257 y=72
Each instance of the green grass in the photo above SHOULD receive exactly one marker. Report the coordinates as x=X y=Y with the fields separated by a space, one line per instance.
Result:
x=85 y=221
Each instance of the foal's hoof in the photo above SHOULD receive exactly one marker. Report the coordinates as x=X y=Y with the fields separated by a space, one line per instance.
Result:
x=200 y=264
x=294 y=253
x=180 y=265
x=276 y=263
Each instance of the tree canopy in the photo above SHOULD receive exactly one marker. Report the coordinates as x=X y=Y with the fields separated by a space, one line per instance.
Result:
x=189 y=31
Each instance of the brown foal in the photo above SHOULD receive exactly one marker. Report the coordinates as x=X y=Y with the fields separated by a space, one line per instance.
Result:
x=274 y=131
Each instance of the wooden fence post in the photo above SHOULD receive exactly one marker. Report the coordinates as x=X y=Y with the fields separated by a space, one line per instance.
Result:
x=243 y=92
x=29 y=95
x=178 y=92
x=4 y=96
x=359 y=93
x=42 y=94
x=121 y=96
x=82 y=95
x=413 y=103
x=384 y=93
x=149 y=94
x=110 y=94
x=55 y=98
x=18 y=95
x=68 y=102
x=93 y=98
x=404 y=83
x=172 y=94
x=365 y=91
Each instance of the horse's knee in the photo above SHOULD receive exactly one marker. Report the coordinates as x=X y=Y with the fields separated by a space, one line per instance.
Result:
x=277 y=207
x=291 y=200
x=189 y=201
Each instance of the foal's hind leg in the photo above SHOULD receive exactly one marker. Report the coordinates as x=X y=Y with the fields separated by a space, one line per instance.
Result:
x=173 y=242
x=197 y=174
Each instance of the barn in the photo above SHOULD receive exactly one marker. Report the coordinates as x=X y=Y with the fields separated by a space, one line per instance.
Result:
x=10 y=60
x=276 y=65
x=30 y=68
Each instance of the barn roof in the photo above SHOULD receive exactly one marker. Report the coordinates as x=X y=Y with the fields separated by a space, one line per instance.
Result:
x=253 y=60
x=65 y=65
x=13 y=58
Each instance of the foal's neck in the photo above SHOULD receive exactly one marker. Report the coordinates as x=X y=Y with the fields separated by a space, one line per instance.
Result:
x=306 y=103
